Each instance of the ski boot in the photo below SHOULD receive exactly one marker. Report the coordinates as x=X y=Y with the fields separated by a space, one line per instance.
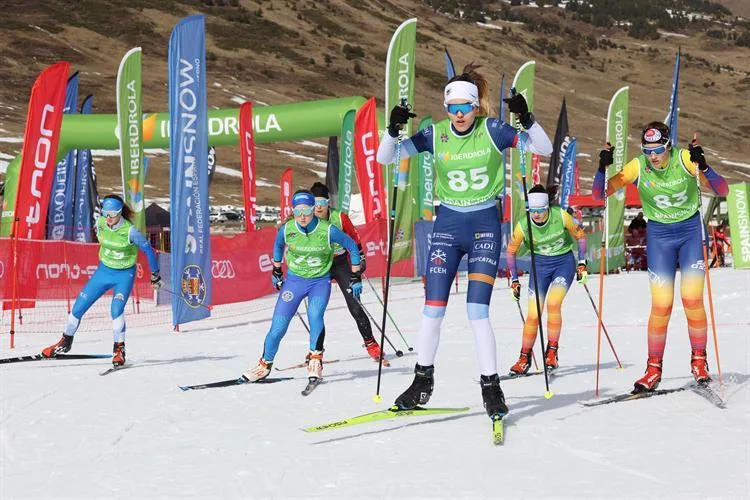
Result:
x=699 y=366
x=63 y=345
x=259 y=372
x=651 y=378
x=315 y=364
x=523 y=364
x=420 y=390
x=118 y=354
x=494 y=400
x=550 y=356
x=373 y=349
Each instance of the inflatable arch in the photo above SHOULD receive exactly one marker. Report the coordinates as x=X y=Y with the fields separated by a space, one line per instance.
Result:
x=283 y=122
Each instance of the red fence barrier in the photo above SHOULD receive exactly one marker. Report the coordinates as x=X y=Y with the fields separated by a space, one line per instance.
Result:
x=241 y=265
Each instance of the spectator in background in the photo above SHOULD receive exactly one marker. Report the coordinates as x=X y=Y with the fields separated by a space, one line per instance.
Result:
x=720 y=239
x=638 y=223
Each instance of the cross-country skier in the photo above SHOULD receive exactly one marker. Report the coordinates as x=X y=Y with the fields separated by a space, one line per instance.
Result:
x=341 y=269
x=119 y=242
x=468 y=177
x=665 y=176
x=554 y=234
x=309 y=243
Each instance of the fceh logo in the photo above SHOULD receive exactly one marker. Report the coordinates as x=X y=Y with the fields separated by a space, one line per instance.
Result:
x=42 y=153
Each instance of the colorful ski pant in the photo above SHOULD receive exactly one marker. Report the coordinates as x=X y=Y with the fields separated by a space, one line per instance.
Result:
x=667 y=246
x=294 y=289
x=554 y=275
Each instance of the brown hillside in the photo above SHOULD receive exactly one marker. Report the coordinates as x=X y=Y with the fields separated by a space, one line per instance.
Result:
x=280 y=52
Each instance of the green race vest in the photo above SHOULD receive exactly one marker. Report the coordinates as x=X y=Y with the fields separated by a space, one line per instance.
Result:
x=668 y=195
x=334 y=219
x=308 y=255
x=468 y=169
x=551 y=238
x=115 y=249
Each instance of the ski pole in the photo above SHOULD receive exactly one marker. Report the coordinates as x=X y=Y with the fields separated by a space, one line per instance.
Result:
x=389 y=315
x=520 y=311
x=389 y=261
x=602 y=322
x=705 y=268
x=303 y=321
x=522 y=153
x=399 y=352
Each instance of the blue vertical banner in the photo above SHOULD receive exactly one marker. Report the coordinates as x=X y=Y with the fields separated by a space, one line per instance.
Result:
x=450 y=69
x=568 y=173
x=60 y=214
x=188 y=178
x=671 y=120
x=83 y=216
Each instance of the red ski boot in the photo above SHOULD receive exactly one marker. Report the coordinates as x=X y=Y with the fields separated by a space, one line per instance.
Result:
x=550 y=356
x=523 y=364
x=118 y=354
x=699 y=367
x=650 y=380
x=63 y=345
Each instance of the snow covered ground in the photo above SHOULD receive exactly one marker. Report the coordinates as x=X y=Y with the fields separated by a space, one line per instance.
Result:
x=66 y=432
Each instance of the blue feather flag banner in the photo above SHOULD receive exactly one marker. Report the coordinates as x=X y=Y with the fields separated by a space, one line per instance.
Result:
x=188 y=180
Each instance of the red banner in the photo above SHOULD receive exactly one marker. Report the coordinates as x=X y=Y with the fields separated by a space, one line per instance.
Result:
x=535 y=176
x=39 y=154
x=286 y=194
x=59 y=269
x=62 y=268
x=369 y=171
x=247 y=160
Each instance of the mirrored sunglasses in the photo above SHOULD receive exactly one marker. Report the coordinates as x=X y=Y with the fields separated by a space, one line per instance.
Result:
x=302 y=211
x=654 y=151
x=111 y=213
x=537 y=210
x=323 y=202
x=464 y=108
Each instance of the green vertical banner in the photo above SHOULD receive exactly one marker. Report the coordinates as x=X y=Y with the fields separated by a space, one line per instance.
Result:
x=129 y=122
x=346 y=162
x=9 y=196
x=524 y=85
x=739 y=224
x=617 y=135
x=426 y=169
x=399 y=84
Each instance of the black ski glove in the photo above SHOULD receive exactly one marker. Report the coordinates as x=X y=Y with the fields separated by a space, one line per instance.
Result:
x=156 y=280
x=517 y=104
x=277 y=278
x=606 y=158
x=697 y=156
x=399 y=117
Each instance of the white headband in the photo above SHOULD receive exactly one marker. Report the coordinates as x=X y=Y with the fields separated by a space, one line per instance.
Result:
x=461 y=90
x=538 y=200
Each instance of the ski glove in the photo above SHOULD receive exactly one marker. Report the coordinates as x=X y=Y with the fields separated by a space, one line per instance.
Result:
x=399 y=117
x=582 y=273
x=515 y=290
x=355 y=284
x=517 y=104
x=277 y=278
x=156 y=280
x=606 y=158
x=697 y=156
